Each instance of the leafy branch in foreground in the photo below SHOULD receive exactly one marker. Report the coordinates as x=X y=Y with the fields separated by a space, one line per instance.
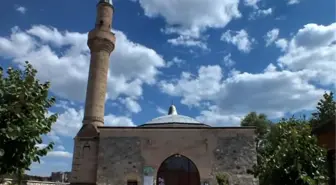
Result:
x=24 y=104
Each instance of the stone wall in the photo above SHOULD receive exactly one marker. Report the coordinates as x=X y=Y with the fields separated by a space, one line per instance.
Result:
x=84 y=164
x=119 y=158
x=235 y=160
x=125 y=152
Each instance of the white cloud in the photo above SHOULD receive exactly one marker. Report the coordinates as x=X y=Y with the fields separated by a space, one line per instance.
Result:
x=214 y=117
x=282 y=44
x=271 y=36
x=228 y=62
x=21 y=9
x=60 y=147
x=314 y=36
x=131 y=104
x=193 y=90
x=41 y=146
x=133 y=64
x=175 y=61
x=273 y=93
x=17 y=45
x=239 y=39
x=291 y=2
x=313 y=49
x=270 y=68
x=70 y=121
x=190 y=18
x=265 y=12
x=53 y=137
x=63 y=154
x=285 y=87
x=183 y=40
x=260 y=13
x=161 y=110
x=112 y=120
x=252 y=3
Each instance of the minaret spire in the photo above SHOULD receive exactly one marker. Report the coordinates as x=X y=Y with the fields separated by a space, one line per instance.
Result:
x=106 y=1
x=101 y=42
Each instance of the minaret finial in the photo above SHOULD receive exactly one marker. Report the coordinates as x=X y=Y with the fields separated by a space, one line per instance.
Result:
x=106 y=1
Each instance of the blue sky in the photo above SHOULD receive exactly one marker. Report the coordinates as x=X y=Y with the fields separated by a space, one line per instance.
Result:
x=217 y=60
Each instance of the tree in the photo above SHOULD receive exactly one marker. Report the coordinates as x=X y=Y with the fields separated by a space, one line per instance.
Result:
x=326 y=109
x=260 y=121
x=262 y=125
x=290 y=155
x=24 y=104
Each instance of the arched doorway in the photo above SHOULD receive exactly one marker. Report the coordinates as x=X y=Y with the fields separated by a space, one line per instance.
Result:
x=178 y=170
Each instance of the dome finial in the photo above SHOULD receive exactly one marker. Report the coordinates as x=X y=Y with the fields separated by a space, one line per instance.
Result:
x=172 y=109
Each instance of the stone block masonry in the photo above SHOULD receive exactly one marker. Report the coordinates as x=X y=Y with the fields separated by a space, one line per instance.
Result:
x=119 y=158
x=124 y=152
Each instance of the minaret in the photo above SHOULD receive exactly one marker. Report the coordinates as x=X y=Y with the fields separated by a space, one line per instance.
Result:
x=86 y=143
x=101 y=43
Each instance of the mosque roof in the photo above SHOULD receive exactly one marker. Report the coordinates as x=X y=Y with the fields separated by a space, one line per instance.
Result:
x=174 y=120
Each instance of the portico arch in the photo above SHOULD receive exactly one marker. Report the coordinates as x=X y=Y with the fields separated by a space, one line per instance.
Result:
x=178 y=170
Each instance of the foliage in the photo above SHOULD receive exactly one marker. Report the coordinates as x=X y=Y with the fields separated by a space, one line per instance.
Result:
x=24 y=104
x=290 y=155
x=222 y=179
x=260 y=121
x=326 y=109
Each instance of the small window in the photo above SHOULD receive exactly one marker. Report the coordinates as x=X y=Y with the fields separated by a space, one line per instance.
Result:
x=101 y=22
x=132 y=182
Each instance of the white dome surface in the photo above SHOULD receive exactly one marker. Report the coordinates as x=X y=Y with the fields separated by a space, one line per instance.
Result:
x=175 y=120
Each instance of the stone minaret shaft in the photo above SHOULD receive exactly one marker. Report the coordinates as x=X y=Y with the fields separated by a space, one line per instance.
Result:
x=101 y=42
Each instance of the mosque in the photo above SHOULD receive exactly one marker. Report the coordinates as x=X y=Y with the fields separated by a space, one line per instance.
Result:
x=168 y=150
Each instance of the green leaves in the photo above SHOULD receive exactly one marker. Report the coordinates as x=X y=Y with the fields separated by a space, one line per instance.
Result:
x=290 y=155
x=262 y=124
x=326 y=109
x=24 y=104
x=222 y=179
x=260 y=121
x=287 y=153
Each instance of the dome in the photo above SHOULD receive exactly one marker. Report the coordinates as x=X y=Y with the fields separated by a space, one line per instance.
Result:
x=173 y=120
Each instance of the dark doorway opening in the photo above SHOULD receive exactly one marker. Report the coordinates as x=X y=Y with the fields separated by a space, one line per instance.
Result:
x=132 y=182
x=178 y=170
